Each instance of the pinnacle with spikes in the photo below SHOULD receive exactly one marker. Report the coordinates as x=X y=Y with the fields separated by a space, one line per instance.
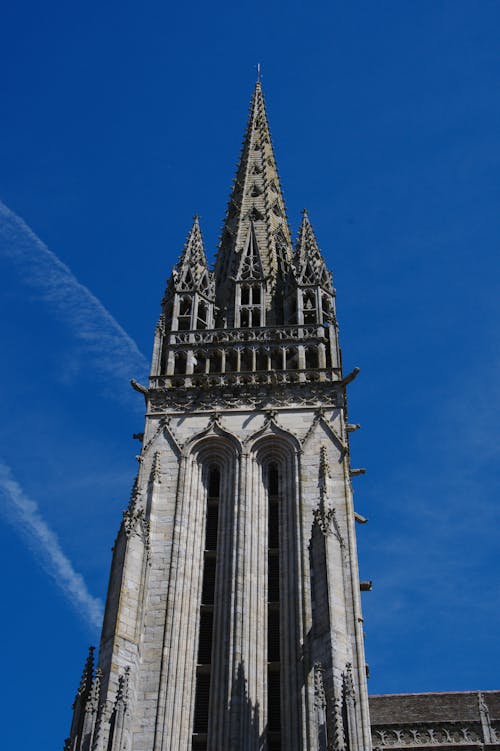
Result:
x=310 y=267
x=256 y=198
x=87 y=677
x=191 y=272
x=122 y=693
x=95 y=692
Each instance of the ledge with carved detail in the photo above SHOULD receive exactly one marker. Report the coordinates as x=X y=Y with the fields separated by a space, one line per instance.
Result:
x=254 y=393
x=444 y=735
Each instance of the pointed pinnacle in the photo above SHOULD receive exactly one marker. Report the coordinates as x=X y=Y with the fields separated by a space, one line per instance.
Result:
x=87 y=674
x=257 y=187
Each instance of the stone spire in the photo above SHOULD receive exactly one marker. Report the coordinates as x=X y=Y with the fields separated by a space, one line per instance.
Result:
x=256 y=199
x=191 y=272
x=310 y=267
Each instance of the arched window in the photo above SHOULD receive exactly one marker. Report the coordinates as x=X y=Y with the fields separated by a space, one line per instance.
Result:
x=278 y=496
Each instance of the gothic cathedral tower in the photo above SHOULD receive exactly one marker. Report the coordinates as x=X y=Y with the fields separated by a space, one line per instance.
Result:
x=233 y=619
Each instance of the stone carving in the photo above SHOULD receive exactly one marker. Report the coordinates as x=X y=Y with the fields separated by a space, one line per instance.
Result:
x=86 y=679
x=324 y=514
x=93 y=702
x=265 y=396
x=122 y=693
x=426 y=735
x=339 y=741
x=321 y=418
x=135 y=522
x=319 y=688
x=155 y=468
x=326 y=520
x=163 y=426
x=349 y=690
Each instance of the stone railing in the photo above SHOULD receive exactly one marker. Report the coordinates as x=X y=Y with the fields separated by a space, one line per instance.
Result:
x=272 y=377
x=258 y=334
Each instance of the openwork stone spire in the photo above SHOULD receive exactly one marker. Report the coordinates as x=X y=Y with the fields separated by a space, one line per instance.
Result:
x=256 y=198
x=191 y=272
x=310 y=267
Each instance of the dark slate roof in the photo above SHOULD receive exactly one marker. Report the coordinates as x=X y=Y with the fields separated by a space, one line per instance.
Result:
x=398 y=709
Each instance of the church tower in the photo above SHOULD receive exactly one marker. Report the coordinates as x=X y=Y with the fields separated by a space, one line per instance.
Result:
x=233 y=618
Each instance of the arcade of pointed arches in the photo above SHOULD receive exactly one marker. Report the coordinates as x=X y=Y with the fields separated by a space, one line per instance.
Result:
x=271 y=477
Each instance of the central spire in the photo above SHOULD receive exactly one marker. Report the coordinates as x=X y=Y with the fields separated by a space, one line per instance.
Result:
x=256 y=206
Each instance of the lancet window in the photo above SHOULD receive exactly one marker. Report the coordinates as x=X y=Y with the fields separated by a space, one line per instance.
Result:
x=206 y=613
x=273 y=611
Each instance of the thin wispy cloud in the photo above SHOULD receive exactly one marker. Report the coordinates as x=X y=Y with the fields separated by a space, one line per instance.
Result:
x=106 y=345
x=108 y=352
x=25 y=516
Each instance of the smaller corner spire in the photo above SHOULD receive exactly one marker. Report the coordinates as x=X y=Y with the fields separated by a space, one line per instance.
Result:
x=87 y=674
x=191 y=272
x=309 y=263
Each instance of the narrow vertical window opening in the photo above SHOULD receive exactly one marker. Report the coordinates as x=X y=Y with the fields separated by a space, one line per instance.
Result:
x=273 y=611
x=206 y=617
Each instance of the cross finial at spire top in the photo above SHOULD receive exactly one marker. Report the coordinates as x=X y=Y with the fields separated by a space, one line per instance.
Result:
x=259 y=73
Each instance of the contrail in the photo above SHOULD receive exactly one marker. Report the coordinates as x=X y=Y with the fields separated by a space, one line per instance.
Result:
x=107 y=346
x=25 y=515
x=108 y=350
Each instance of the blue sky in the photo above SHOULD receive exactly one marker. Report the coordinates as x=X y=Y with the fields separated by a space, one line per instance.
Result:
x=119 y=122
